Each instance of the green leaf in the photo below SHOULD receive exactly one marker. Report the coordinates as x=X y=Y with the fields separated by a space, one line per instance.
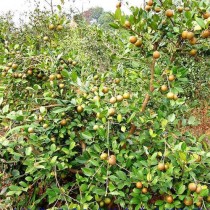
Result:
x=114 y=25
x=171 y=117
x=28 y=151
x=65 y=73
x=53 y=147
x=74 y=76
x=200 y=22
x=191 y=120
x=121 y=175
x=87 y=135
x=181 y=190
x=88 y=171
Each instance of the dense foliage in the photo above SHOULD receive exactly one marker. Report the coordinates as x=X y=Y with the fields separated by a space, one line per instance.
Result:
x=91 y=118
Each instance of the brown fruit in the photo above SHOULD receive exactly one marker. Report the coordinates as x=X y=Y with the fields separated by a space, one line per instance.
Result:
x=198 y=189
x=127 y=24
x=74 y=63
x=170 y=95
x=171 y=78
x=206 y=15
x=156 y=54
x=188 y=201
x=164 y=88
x=112 y=160
x=126 y=95
x=61 y=85
x=169 y=13
x=138 y=43
x=104 y=156
x=175 y=97
x=96 y=98
x=112 y=100
x=105 y=90
x=184 y=34
x=199 y=204
x=157 y=9
x=79 y=109
x=51 y=26
x=192 y=187
x=30 y=72
x=133 y=39
x=169 y=199
x=150 y=2
x=139 y=185
x=190 y=35
x=205 y=34
x=148 y=8
x=144 y=190
x=193 y=52
x=63 y=122
x=193 y=41
x=111 y=111
x=59 y=76
x=180 y=9
x=119 y=98
x=161 y=166
x=119 y=4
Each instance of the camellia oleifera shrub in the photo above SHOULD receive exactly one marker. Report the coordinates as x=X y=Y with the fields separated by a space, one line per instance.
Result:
x=87 y=134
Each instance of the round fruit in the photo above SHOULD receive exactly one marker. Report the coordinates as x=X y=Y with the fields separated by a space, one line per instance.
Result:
x=105 y=90
x=157 y=9
x=101 y=204
x=59 y=76
x=45 y=38
x=133 y=39
x=199 y=204
x=193 y=41
x=150 y=2
x=139 y=185
x=170 y=95
x=119 y=98
x=79 y=109
x=104 y=156
x=95 y=127
x=198 y=189
x=148 y=8
x=126 y=95
x=111 y=111
x=164 y=88
x=51 y=26
x=52 y=77
x=127 y=24
x=96 y=98
x=169 y=199
x=61 y=85
x=208 y=199
x=14 y=66
x=190 y=35
x=30 y=130
x=118 y=5
x=206 y=15
x=171 y=78
x=117 y=81
x=9 y=64
x=63 y=122
x=193 y=52
x=156 y=54
x=192 y=187
x=95 y=77
x=112 y=100
x=161 y=166
x=184 y=34
x=197 y=157
x=144 y=190
x=175 y=97
x=98 y=115
x=169 y=13
x=107 y=201
x=45 y=125
x=138 y=43
x=112 y=160
x=205 y=34
x=59 y=27
x=74 y=63
x=40 y=118
x=180 y=9
x=188 y=201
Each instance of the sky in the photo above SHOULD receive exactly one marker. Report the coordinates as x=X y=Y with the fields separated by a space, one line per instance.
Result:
x=20 y=6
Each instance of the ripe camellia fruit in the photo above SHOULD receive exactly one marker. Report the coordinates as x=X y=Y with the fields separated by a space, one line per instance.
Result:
x=118 y=5
x=107 y=201
x=161 y=166
x=192 y=187
x=175 y=97
x=79 y=109
x=188 y=201
x=190 y=35
x=45 y=38
x=148 y=8
x=117 y=81
x=193 y=41
x=169 y=13
x=126 y=95
x=14 y=66
x=144 y=190
x=169 y=199
x=63 y=122
x=171 y=77
x=51 y=26
x=105 y=90
x=206 y=15
x=139 y=185
x=184 y=34
x=156 y=54
x=112 y=100
x=59 y=27
x=180 y=9
x=112 y=160
x=133 y=39
x=150 y=2
x=45 y=126
x=111 y=111
x=127 y=24
x=157 y=9
x=138 y=43
x=95 y=127
x=193 y=52
x=61 y=85
x=198 y=189
x=30 y=130
x=164 y=88
x=170 y=95
x=52 y=77
x=119 y=98
x=104 y=156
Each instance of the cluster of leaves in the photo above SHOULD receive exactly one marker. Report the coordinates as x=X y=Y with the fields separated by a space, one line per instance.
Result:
x=87 y=121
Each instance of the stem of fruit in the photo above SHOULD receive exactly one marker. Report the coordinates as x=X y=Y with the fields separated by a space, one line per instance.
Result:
x=147 y=97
